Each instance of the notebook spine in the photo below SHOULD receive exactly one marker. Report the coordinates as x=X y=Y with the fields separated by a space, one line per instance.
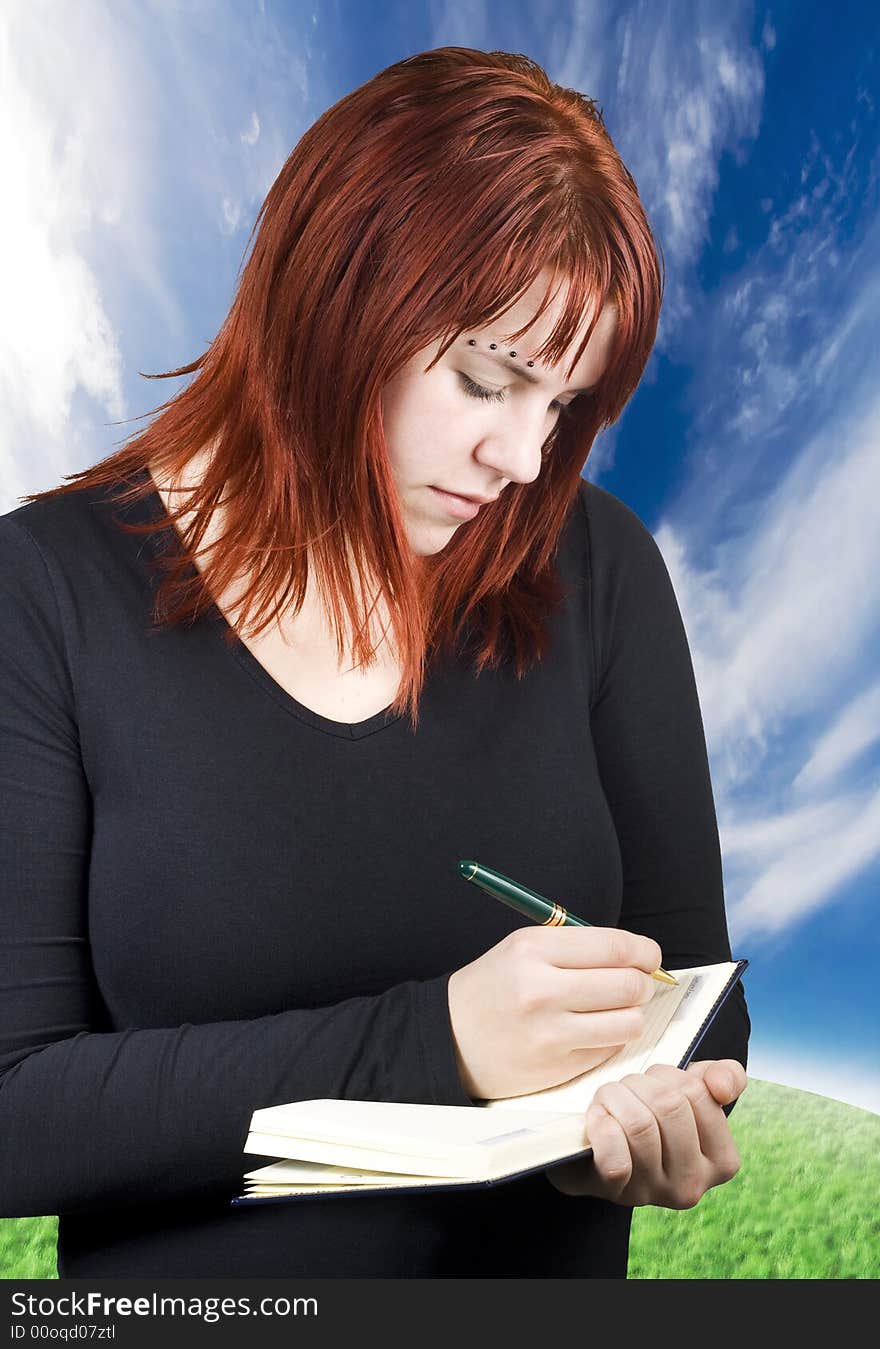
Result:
x=712 y=1013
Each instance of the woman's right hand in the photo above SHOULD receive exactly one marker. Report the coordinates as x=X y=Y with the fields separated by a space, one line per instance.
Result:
x=546 y=1004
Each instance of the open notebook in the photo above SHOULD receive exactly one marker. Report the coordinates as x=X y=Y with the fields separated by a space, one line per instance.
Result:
x=360 y=1147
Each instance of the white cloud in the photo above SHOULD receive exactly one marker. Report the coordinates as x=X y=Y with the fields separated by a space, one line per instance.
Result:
x=849 y=736
x=774 y=550
x=811 y=867
x=66 y=175
x=252 y=135
x=679 y=106
x=768 y=35
x=775 y=353
x=778 y=624
x=790 y=601
x=123 y=152
x=843 y=1080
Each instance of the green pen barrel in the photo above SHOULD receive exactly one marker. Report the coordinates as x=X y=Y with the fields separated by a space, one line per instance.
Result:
x=519 y=897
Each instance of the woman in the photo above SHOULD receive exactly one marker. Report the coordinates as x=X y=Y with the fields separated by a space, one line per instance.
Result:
x=231 y=841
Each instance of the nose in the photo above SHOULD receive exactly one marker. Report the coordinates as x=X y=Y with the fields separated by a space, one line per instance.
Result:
x=512 y=446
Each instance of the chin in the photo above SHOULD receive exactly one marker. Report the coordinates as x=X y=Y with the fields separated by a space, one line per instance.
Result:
x=427 y=551
x=426 y=542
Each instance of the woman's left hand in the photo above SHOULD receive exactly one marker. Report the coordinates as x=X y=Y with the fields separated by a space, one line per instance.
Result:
x=659 y=1137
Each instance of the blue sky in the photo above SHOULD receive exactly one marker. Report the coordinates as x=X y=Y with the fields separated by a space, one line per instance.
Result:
x=138 y=141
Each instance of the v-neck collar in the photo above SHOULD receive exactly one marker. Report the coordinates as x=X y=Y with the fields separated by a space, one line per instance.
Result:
x=167 y=539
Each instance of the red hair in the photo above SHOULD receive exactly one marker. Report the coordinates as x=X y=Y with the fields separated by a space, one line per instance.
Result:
x=421 y=205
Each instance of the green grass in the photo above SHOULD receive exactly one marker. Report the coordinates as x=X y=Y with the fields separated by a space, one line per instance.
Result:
x=27 y=1248
x=804 y=1204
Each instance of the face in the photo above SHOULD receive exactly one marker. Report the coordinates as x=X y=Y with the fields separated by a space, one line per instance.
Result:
x=475 y=423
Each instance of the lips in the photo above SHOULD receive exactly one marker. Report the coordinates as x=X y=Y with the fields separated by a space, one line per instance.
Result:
x=456 y=506
x=475 y=500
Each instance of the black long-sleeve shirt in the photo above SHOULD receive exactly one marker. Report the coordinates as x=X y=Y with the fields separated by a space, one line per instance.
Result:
x=213 y=899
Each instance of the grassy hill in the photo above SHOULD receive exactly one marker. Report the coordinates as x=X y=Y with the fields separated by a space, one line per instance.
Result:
x=804 y=1205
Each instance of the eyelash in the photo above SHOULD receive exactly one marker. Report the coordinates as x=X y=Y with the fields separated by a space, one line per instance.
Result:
x=497 y=395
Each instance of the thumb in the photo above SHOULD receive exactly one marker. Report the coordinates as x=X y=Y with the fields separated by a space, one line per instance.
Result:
x=725 y=1078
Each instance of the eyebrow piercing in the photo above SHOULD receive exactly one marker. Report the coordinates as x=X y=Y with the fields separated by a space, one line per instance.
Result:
x=493 y=346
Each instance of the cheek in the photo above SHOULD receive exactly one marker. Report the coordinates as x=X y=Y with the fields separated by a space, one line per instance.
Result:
x=417 y=443
x=423 y=426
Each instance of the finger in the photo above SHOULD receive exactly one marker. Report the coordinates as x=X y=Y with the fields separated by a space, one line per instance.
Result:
x=597 y=947
x=681 y=1154
x=611 y=1154
x=716 y=1141
x=639 y=1125
x=599 y=990
x=725 y=1078
x=592 y=1030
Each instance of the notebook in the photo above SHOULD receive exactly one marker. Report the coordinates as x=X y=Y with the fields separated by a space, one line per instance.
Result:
x=351 y=1147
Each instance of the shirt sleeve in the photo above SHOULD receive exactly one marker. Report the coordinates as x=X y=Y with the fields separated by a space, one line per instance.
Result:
x=92 y=1118
x=651 y=750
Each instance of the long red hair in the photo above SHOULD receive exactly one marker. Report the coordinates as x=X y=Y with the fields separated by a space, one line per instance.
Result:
x=421 y=205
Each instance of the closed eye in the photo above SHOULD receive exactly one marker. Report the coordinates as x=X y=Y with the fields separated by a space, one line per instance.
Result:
x=497 y=395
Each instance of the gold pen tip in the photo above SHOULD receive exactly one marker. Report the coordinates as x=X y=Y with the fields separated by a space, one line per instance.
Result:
x=665 y=978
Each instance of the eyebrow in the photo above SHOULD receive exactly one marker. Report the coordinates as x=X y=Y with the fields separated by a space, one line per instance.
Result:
x=525 y=374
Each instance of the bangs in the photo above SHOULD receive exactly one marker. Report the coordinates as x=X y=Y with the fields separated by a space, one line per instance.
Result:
x=583 y=276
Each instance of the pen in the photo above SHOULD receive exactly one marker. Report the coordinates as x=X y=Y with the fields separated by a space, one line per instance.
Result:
x=531 y=904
